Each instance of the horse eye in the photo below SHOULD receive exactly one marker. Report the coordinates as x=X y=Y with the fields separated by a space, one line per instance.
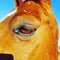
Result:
x=25 y=30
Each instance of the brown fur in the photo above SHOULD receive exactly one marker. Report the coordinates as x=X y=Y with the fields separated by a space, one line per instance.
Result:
x=43 y=44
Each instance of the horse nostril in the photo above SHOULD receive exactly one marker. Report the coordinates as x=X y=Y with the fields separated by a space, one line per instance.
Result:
x=6 y=57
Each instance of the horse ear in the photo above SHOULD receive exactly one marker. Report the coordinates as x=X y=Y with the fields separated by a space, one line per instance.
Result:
x=19 y=2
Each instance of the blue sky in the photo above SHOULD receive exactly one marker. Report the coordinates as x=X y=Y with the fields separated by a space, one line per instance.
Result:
x=8 y=5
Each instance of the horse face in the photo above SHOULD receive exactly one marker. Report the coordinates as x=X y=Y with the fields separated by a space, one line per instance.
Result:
x=30 y=31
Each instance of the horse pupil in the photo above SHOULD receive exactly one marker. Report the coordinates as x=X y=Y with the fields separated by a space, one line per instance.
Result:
x=25 y=30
